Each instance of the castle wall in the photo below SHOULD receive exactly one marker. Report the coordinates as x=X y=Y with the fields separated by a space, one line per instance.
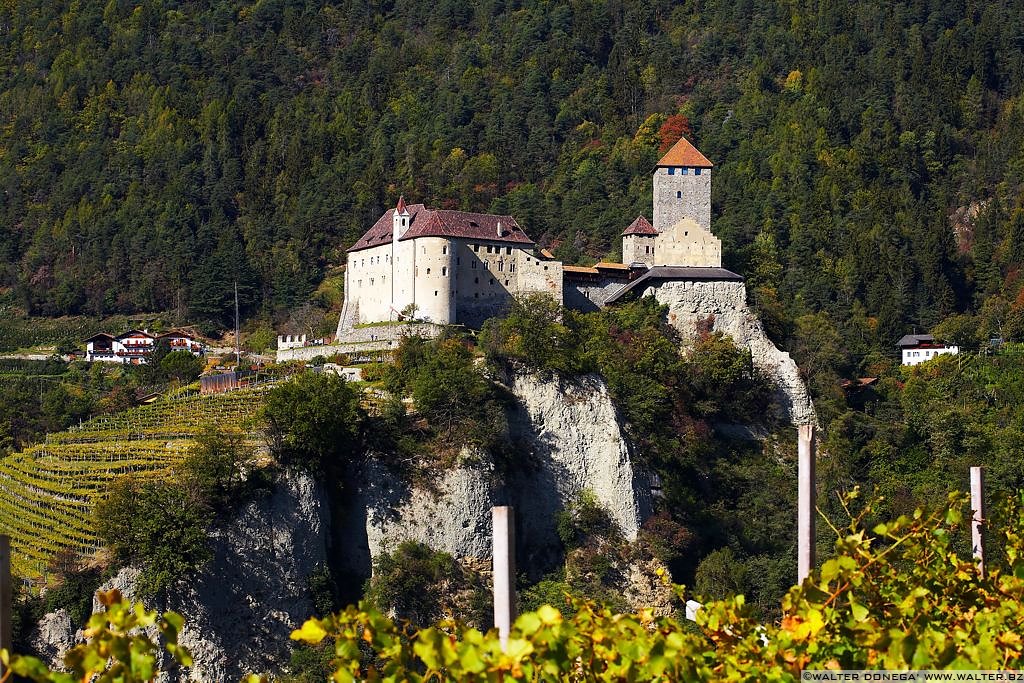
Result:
x=433 y=259
x=369 y=279
x=588 y=295
x=687 y=244
x=638 y=249
x=679 y=196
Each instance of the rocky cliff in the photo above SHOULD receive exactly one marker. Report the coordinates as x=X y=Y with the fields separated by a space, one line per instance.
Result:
x=242 y=607
x=240 y=610
x=691 y=301
x=567 y=437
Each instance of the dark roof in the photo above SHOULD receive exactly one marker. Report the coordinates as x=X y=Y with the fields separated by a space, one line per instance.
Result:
x=668 y=273
x=424 y=222
x=641 y=226
x=175 y=333
x=683 y=153
x=101 y=335
x=915 y=339
x=130 y=333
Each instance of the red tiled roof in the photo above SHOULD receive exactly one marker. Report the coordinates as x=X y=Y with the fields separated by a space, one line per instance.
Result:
x=611 y=266
x=401 y=204
x=424 y=222
x=641 y=226
x=683 y=153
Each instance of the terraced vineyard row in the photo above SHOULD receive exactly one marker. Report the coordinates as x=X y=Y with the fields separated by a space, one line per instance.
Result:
x=48 y=491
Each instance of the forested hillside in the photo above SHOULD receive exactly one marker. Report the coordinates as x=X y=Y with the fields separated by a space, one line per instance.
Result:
x=868 y=155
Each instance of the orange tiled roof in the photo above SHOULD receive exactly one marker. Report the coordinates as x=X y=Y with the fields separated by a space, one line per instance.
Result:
x=579 y=269
x=683 y=153
x=611 y=266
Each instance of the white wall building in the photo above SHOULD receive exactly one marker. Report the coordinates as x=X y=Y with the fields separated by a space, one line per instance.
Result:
x=917 y=348
x=133 y=347
x=442 y=266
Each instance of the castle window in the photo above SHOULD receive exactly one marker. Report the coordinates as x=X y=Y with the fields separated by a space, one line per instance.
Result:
x=476 y=247
x=686 y=233
x=362 y=262
x=508 y=250
x=360 y=283
x=679 y=194
x=492 y=280
x=501 y=265
x=671 y=171
x=428 y=271
x=684 y=171
x=506 y=283
x=444 y=270
x=476 y=281
x=424 y=249
x=545 y=267
x=458 y=261
x=435 y=292
x=488 y=249
x=371 y=281
x=696 y=171
x=512 y=267
x=444 y=249
x=473 y=265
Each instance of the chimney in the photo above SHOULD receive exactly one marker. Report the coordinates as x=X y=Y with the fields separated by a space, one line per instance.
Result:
x=500 y=231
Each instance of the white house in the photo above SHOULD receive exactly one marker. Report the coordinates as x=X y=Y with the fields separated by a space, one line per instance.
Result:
x=917 y=348
x=133 y=347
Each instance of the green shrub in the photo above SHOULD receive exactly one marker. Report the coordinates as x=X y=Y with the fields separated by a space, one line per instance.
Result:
x=413 y=583
x=315 y=421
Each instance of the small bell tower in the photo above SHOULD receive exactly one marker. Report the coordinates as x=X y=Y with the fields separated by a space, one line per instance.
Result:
x=399 y=220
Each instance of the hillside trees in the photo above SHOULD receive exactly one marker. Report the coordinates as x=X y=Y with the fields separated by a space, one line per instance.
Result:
x=152 y=157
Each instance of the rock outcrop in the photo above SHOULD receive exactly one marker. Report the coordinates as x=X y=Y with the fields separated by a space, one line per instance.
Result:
x=242 y=607
x=690 y=302
x=567 y=438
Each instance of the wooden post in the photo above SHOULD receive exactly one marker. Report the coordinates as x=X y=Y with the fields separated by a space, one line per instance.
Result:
x=504 y=570
x=6 y=595
x=978 y=516
x=805 y=502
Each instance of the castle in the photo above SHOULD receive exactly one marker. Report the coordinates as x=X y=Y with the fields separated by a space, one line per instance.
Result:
x=456 y=267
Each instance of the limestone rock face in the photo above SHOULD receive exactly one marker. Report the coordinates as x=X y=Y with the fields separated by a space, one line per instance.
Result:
x=570 y=437
x=240 y=610
x=692 y=301
x=55 y=635
x=567 y=438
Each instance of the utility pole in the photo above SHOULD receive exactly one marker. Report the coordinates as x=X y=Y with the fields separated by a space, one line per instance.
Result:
x=503 y=568
x=978 y=517
x=805 y=502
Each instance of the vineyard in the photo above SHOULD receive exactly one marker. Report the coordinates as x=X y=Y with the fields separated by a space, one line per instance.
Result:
x=48 y=490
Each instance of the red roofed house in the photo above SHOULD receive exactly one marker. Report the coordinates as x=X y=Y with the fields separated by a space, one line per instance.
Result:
x=446 y=266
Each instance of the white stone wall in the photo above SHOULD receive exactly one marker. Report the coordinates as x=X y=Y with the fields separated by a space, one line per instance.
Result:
x=433 y=261
x=686 y=243
x=369 y=281
x=450 y=280
x=638 y=249
x=680 y=196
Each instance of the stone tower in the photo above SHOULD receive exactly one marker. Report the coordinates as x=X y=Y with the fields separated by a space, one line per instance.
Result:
x=682 y=187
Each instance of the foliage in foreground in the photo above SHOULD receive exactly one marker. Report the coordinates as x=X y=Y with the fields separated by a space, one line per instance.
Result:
x=116 y=652
x=897 y=597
